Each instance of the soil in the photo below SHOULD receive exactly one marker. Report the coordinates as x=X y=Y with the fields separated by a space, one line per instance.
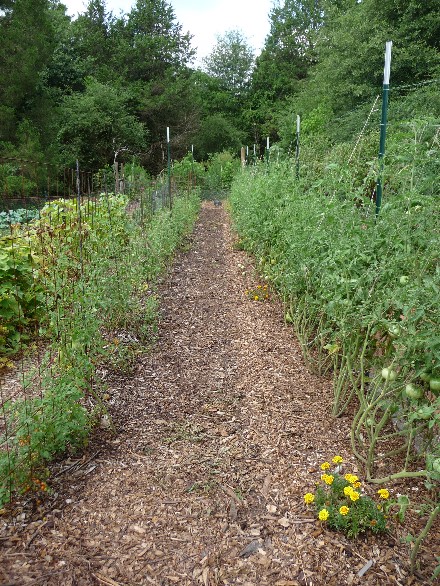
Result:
x=218 y=434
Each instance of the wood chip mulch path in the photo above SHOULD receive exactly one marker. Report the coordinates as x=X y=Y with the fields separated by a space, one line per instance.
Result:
x=219 y=434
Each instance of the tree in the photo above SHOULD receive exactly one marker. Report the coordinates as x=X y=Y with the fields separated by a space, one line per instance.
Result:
x=150 y=42
x=217 y=133
x=351 y=54
x=98 y=123
x=26 y=47
x=230 y=62
x=69 y=64
x=92 y=36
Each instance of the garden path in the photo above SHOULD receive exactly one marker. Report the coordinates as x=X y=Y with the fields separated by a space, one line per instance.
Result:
x=220 y=432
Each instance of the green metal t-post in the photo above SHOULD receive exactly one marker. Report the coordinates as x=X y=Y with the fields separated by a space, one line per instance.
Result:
x=169 y=168
x=383 y=124
x=192 y=167
x=298 y=123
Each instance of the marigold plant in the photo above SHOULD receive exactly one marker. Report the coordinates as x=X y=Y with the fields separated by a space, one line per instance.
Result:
x=259 y=293
x=343 y=508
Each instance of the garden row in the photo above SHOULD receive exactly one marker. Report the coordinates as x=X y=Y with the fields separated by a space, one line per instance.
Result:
x=77 y=291
x=362 y=291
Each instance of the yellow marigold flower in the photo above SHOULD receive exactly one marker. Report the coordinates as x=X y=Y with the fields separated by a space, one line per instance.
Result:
x=357 y=484
x=325 y=466
x=351 y=478
x=348 y=490
x=256 y=297
x=344 y=510
x=373 y=522
x=323 y=515
x=337 y=460
x=354 y=496
x=309 y=498
x=328 y=478
x=383 y=493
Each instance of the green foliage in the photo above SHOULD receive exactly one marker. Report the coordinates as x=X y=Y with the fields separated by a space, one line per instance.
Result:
x=24 y=51
x=216 y=134
x=362 y=292
x=230 y=62
x=340 y=502
x=15 y=181
x=188 y=171
x=97 y=125
x=221 y=171
x=79 y=275
x=18 y=216
x=20 y=298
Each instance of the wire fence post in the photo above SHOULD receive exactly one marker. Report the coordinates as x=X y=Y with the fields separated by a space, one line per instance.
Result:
x=298 y=126
x=192 y=166
x=383 y=124
x=169 y=168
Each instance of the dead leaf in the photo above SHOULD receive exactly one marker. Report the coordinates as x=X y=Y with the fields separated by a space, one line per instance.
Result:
x=284 y=522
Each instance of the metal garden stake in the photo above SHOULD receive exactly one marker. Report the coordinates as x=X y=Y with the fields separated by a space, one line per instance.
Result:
x=383 y=123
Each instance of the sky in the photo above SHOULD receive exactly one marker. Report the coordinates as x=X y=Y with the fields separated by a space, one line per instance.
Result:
x=205 y=19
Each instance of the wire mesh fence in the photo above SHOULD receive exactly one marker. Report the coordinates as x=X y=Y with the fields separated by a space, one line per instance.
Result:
x=70 y=292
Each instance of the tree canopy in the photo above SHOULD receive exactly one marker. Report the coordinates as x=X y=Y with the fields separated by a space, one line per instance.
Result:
x=98 y=84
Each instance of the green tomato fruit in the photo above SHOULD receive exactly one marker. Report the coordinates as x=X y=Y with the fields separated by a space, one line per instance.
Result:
x=413 y=392
x=436 y=465
x=389 y=374
x=425 y=376
x=404 y=279
x=394 y=331
x=434 y=384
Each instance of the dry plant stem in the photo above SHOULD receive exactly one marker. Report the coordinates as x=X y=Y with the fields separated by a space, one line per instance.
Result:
x=340 y=390
x=359 y=417
x=397 y=476
x=422 y=535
